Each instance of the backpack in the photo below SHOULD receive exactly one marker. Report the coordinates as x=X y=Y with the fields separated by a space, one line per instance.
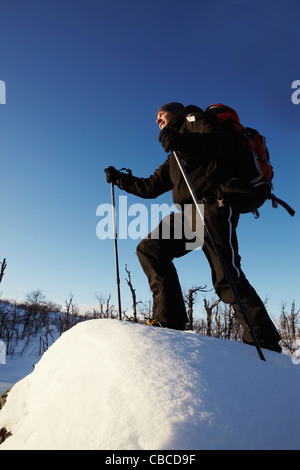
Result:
x=252 y=173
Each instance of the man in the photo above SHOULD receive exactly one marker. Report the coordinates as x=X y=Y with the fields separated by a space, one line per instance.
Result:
x=207 y=152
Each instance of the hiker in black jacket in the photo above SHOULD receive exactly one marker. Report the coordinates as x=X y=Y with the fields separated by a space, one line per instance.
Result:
x=207 y=152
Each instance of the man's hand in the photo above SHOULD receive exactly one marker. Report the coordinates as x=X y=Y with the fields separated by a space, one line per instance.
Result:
x=112 y=175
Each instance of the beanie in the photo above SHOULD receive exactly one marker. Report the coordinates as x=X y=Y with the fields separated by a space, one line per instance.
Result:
x=173 y=107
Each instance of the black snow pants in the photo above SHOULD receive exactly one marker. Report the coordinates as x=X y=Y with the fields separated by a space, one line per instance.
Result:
x=156 y=255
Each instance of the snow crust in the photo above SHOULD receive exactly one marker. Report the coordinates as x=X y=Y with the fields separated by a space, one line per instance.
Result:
x=112 y=385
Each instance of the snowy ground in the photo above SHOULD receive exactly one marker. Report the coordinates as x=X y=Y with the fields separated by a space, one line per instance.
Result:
x=114 y=385
x=23 y=361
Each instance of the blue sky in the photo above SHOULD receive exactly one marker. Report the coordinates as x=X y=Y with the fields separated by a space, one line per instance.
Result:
x=83 y=82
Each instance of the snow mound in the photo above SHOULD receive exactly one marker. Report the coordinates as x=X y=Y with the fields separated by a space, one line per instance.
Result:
x=107 y=384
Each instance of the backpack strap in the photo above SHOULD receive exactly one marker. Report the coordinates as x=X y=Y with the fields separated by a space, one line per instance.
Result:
x=276 y=201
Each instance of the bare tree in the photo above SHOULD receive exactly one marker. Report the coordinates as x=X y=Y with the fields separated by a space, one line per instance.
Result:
x=228 y=322
x=9 y=326
x=133 y=294
x=190 y=300
x=220 y=326
x=105 y=310
x=3 y=267
x=34 y=303
x=70 y=316
x=288 y=327
x=209 y=309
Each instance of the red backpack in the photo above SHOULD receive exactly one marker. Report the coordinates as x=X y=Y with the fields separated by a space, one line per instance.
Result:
x=251 y=182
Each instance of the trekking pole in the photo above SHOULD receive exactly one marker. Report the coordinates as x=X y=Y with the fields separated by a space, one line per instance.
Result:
x=219 y=255
x=116 y=247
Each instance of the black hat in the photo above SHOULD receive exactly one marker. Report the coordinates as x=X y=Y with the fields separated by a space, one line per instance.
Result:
x=173 y=107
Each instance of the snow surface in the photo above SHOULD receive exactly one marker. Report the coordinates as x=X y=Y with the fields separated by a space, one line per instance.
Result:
x=26 y=355
x=107 y=384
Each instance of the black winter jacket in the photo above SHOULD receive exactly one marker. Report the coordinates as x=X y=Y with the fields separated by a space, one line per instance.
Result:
x=207 y=165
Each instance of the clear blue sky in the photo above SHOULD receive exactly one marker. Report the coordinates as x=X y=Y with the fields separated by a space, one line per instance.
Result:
x=84 y=79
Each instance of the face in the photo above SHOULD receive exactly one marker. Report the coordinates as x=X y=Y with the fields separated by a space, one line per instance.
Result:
x=163 y=118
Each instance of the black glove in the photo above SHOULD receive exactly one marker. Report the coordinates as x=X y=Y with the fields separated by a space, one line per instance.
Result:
x=171 y=139
x=112 y=175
